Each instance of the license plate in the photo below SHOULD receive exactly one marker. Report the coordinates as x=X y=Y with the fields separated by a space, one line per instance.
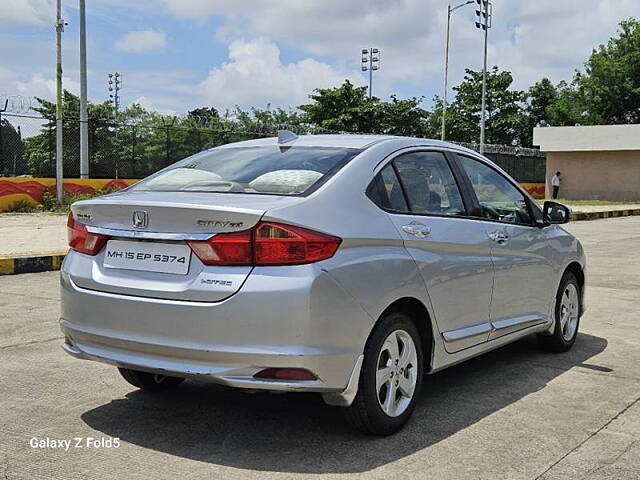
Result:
x=148 y=256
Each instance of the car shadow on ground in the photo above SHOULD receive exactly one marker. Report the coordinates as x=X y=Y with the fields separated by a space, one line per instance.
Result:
x=298 y=433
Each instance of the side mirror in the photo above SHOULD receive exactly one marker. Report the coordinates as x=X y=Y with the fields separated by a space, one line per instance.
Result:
x=554 y=212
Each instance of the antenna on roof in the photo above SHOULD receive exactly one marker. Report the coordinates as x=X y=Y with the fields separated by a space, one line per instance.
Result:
x=285 y=136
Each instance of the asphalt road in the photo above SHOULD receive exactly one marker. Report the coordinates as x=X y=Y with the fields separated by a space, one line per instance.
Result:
x=516 y=413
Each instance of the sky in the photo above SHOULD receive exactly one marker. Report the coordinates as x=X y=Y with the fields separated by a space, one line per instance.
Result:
x=175 y=55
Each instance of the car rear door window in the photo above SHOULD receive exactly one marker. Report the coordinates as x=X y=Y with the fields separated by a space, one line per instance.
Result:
x=499 y=199
x=386 y=191
x=429 y=184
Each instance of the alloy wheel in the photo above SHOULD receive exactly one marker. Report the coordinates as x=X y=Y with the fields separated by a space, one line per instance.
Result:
x=396 y=373
x=569 y=311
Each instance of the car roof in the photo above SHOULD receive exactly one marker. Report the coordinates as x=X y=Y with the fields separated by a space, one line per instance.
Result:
x=345 y=140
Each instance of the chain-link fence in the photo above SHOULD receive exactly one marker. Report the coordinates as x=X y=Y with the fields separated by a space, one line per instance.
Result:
x=28 y=147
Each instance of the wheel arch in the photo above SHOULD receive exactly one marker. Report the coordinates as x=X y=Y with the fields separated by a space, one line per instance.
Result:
x=417 y=311
x=578 y=272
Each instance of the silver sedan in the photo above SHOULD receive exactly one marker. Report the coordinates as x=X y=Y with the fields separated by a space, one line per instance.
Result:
x=346 y=265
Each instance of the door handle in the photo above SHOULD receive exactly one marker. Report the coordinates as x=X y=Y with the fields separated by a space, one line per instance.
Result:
x=499 y=236
x=417 y=229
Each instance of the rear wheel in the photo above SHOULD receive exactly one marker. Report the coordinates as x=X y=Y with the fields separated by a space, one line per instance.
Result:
x=149 y=381
x=567 y=316
x=390 y=379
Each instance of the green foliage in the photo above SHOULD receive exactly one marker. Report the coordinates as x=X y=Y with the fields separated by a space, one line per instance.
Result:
x=50 y=204
x=12 y=148
x=611 y=83
x=21 y=206
x=137 y=142
x=347 y=108
x=540 y=97
x=608 y=91
x=48 y=201
x=504 y=109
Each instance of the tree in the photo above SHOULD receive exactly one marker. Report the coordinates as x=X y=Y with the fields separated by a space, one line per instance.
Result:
x=347 y=108
x=402 y=117
x=611 y=83
x=608 y=90
x=504 y=109
x=344 y=108
x=38 y=149
x=11 y=148
x=539 y=98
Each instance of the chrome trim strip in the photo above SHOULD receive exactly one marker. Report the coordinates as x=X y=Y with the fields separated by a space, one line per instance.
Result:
x=113 y=232
x=456 y=340
x=512 y=325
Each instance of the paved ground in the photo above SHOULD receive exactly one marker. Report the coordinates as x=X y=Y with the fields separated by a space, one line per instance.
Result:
x=516 y=413
x=27 y=233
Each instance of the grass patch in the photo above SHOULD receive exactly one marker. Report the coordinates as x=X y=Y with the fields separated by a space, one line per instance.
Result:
x=22 y=206
x=49 y=203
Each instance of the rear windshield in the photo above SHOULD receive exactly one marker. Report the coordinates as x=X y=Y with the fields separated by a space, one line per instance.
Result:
x=262 y=170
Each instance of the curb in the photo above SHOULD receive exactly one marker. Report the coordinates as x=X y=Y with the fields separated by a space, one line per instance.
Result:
x=578 y=216
x=34 y=264
x=46 y=263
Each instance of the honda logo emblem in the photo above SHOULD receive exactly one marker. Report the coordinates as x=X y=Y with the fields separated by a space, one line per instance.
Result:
x=140 y=219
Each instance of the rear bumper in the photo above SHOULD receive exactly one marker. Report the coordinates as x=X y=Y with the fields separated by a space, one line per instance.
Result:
x=307 y=323
x=238 y=375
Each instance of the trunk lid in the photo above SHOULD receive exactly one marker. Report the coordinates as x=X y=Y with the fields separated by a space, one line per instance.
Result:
x=165 y=221
x=178 y=212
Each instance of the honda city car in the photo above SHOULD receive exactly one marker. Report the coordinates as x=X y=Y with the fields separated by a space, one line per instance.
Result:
x=347 y=265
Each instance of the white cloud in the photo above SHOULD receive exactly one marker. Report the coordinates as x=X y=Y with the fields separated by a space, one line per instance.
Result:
x=27 y=12
x=531 y=38
x=141 y=41
x=256 y=76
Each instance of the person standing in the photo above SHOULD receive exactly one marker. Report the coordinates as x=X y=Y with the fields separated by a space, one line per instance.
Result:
x=555 y=184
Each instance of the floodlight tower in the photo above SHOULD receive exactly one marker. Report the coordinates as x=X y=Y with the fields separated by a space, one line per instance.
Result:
x=370 y=62
x=484 y=12
x=115 y=84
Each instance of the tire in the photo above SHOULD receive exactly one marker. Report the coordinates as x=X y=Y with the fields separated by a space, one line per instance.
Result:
x=382 y=408
x=150 y=382
x=567 y=316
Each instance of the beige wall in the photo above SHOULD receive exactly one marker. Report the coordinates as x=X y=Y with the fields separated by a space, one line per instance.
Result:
x=613 y=175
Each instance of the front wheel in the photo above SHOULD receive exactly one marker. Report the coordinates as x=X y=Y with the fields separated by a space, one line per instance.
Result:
x=149 y=382
x=567 y=316
x=390 y=379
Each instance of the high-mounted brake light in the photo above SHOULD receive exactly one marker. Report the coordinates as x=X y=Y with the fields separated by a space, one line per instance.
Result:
x=267 y=244
x=81 y=240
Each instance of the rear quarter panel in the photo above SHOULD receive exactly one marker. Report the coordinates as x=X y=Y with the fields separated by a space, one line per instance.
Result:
x=372 y=264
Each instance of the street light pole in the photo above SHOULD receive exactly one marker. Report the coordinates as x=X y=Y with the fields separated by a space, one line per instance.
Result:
x=84 y=129
x=59 y=30
x=446 y=67
x=484 y=13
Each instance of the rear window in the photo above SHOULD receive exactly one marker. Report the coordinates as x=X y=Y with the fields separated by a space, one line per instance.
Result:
x=260 y=170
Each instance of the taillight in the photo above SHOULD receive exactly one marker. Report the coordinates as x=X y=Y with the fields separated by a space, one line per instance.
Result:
x=277 y=244
x=225 y=249
x=81 y=240
x=267 y=244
